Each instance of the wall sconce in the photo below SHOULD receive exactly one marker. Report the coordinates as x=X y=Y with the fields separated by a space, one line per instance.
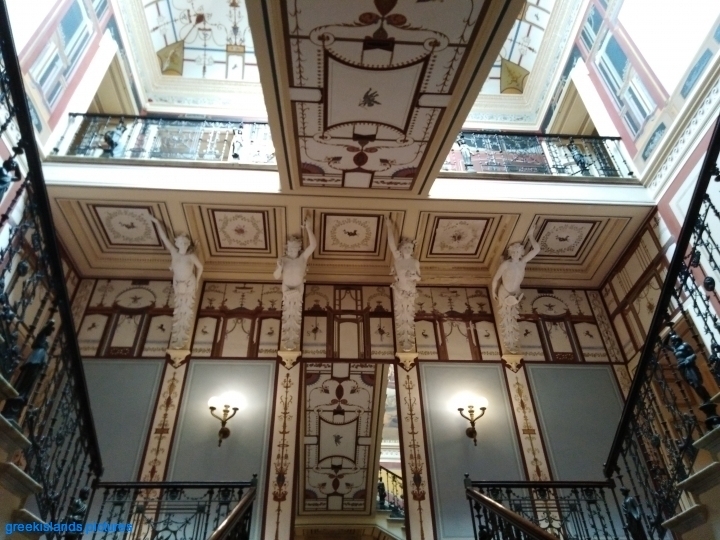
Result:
x=481 y=403
x=229 y=401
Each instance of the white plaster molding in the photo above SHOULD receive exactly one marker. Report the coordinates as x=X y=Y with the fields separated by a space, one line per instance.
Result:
x=289 y=358
x=693 y=120
x=529 y=107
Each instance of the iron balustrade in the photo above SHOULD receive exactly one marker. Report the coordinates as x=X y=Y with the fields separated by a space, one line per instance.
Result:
x=114 y=137
x=566 y=510
x=669 y=405
x=169 y=510
x=39 y=358
x=391 y=493
x=492 y=521
x=538 y=154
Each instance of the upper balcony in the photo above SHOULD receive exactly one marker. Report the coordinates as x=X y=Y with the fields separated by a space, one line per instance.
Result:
x=215 y=143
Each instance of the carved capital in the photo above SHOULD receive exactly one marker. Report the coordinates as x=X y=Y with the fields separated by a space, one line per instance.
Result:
x=407 y=359
x=177 y=357
x=289 y=357
x=512 y=361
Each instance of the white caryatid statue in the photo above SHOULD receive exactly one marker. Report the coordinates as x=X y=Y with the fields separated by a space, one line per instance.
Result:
x=291 y=269
x=506 y=290
x=186 y=269
x=406 y=270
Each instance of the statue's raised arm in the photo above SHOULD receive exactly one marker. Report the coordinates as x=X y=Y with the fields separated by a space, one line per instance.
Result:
x=392 y=244
x=162 y=234
x=312 y=243
x=535 y=246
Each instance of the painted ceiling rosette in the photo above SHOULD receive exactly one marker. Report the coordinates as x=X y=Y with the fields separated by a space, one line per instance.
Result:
x=369 y=83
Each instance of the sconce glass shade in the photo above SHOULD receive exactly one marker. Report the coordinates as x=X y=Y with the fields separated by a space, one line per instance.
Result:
x=480 y=403
x=235 y=400
x=465 y=399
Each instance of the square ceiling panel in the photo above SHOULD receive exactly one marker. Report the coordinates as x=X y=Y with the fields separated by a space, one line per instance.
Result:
x=235 y=231
x=350 y=233
x=125 y=225
x=459 y=237
x=565 y=238
x=240 y=230
x=574 y=240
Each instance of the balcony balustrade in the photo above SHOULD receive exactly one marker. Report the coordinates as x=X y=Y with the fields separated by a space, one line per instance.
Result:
x=112 y=137
x=536 y=154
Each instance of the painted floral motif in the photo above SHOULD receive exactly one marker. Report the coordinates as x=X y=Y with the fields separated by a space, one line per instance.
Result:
x=241 y=229
x=458 y=236
x=127 y=225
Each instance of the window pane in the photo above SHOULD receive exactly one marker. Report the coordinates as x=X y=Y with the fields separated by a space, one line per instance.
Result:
x=616 y=55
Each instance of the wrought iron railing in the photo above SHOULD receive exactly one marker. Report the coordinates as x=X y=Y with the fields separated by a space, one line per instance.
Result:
x=141 y=138
x=168 y=510
x=492 y=521
x=537 y=154
x=39 y=355
x=567 y=510
x=391 y=493
x=669 y=404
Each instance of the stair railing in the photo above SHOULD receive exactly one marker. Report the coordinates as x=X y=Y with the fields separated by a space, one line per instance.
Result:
x=566 y=510
x=669 y=405
x=492 y=521
x=185 y=510
x=391 y=493
x=237 y=525
x=39 y=354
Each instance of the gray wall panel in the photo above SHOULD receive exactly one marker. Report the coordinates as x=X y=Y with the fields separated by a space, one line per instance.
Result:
x=579 y=408
x=195 y=452
x=122 y=397
x=452 y=454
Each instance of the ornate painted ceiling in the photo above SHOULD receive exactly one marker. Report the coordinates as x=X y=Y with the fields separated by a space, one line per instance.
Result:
x=368 y=92
x=511 y=70
x=202 y=39
x=198 y=57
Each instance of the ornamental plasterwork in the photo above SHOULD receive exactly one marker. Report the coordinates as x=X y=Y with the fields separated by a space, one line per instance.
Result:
x=130 y=225
x=529 y=107
x=241 y=229
x=457 y=236
x=563 y=239
x=351 y=233
x=174 y=94
x=340 y=429
x=521 y=49
x=370 y=83
x=203 y=39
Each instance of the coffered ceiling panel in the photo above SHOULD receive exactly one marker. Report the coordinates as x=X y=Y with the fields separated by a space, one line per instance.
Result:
x=350 y=234
x=236 y=231
x=114 y=227
x=107 y=233
x=461 y=237
x=572 y=240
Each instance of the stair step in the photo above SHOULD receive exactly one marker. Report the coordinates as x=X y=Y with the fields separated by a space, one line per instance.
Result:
x=703 y=480
x=710 y=442
x=688 y=519
x=11 y=440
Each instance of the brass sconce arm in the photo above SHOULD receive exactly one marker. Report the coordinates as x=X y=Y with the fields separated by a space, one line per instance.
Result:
x=224 y=432
x=471 y=432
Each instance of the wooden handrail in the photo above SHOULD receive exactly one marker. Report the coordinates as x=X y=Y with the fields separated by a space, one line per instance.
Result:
x=546 y=485
x=235 y=516
x=171 y=485
x=524 y=525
